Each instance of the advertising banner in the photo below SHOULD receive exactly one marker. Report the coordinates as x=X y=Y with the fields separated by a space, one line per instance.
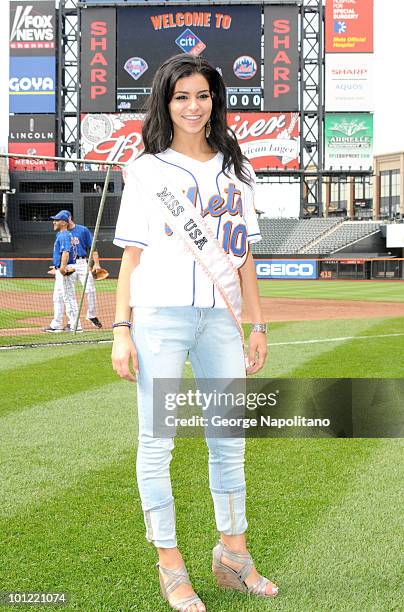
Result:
x=111 y=137
x=125 y=1
x=269 y=140
x=286 y=268
x=348 y=141
x=32 y=128
x=281 y=65
x=4 y=78
x=349 y=26
x=6 y=268
x=32 y=84
x=349 y=82
x=32 y=27
x=228 y=36
x=28 y=148
x=32 y=135
x=98 y=59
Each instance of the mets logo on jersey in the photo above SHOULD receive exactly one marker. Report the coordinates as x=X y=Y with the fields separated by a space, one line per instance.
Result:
x=190 y=43
x=233 y=230
x=245 y=67
x=136 y=66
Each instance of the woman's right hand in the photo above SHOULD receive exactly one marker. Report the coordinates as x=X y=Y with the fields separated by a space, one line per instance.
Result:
x=124 y=352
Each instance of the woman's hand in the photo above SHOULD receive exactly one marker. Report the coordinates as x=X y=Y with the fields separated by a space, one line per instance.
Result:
x=257 y=352
x=124 y=353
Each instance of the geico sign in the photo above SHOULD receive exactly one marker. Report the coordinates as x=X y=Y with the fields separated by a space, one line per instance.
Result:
x=31 y=84
x=290 y=269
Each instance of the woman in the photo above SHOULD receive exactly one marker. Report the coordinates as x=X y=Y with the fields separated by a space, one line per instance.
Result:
x=179 y=310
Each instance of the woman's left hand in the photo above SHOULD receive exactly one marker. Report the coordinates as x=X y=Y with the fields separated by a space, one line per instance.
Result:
x=257 y=352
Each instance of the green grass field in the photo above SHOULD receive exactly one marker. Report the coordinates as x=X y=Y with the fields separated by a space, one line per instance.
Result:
x=389 y=291
x=324 y=515
x=374 y=291
x=11 y=317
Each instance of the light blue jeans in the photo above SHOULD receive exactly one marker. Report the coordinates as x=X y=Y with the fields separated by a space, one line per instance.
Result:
x=164 y=337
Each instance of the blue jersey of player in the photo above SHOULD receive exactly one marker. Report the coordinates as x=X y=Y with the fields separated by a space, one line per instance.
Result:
x=82 y=239
x=63 y=242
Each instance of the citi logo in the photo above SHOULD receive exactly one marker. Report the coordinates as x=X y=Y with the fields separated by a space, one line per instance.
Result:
x=190 y=43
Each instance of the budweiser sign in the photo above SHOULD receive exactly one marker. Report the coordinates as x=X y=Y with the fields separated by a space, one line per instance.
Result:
x=269 y=140
x=111 y=137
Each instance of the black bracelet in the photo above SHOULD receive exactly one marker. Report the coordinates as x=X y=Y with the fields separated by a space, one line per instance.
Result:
x=122 y=324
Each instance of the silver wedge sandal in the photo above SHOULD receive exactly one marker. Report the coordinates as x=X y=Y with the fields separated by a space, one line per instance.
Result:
x=229 y=578
x=170 y=579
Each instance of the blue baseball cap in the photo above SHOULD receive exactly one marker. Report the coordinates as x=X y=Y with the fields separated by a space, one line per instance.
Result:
x=63 y=215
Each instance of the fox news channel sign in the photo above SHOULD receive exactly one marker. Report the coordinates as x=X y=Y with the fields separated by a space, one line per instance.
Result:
x=291 y=269
x=6 y=268
x=32 y=28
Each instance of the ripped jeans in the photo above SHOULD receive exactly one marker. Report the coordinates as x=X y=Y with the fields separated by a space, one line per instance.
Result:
x=163 y=338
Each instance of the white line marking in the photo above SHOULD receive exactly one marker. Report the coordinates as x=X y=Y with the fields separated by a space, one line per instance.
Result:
x=340 y=339
x=334 y=339
x=68 y=342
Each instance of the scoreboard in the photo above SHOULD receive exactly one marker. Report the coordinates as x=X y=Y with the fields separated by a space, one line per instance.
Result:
x=227 y=36
x=122 y=47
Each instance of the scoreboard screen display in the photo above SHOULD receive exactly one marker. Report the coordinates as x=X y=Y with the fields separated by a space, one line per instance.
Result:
x=228 y=36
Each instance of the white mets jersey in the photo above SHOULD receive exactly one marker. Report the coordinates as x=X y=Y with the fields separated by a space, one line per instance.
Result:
x=167 y=275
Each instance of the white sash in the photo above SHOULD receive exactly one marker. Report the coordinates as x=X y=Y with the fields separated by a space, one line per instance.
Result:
x=197 y=238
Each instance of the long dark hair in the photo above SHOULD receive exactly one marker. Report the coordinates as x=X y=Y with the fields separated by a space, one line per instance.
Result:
x=158 y=128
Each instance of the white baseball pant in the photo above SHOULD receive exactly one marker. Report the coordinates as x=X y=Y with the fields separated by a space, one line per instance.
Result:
x=64 y=294
x=81 y=271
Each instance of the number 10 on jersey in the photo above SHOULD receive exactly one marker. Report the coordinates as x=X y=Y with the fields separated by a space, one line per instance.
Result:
x=234 y=238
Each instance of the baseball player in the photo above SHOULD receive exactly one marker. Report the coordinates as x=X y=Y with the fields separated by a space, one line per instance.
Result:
x=186 y=221
x=64 y=295
x=83 y=238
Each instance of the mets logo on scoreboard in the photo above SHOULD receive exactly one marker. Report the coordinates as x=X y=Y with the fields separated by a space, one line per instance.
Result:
x=190 y=43
x=245 y=67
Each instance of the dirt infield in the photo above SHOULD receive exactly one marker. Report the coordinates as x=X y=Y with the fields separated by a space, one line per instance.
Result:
x=287 y=309
x=275 y=309
x=41 y=301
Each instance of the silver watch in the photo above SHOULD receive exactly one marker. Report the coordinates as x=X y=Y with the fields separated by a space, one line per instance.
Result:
x=259 y=327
